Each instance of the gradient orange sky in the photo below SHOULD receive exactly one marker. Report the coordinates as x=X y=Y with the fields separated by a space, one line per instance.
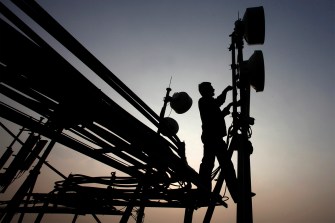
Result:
x=146 y=42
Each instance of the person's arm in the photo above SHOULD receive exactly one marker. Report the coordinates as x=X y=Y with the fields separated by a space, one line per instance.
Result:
x=226 y=111
x=222 y=97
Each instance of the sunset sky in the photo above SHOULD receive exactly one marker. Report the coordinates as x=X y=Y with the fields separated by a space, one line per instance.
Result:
x=146 y=42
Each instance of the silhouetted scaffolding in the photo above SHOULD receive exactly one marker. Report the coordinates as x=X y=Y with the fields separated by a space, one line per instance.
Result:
x=70 y=110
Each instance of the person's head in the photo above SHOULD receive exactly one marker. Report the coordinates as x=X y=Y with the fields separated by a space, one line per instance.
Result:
x=206 y=89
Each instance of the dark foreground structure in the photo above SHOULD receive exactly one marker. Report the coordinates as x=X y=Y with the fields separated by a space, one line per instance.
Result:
x=56 y=104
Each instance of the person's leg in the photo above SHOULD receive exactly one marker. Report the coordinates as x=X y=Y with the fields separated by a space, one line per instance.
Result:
x=228 y=169
x=205 y=172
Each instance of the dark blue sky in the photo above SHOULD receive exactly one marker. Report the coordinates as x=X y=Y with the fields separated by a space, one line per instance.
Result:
x=146 y=42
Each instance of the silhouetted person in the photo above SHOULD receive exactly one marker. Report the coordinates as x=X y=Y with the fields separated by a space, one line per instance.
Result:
x=213 y=131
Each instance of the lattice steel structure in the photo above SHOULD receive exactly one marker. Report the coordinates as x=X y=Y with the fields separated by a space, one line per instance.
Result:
x=70 y=110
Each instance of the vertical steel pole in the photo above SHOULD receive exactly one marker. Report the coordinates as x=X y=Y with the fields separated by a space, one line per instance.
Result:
x=188 y=216
x=162 y=113
x=244 y=204
x=140 y=214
